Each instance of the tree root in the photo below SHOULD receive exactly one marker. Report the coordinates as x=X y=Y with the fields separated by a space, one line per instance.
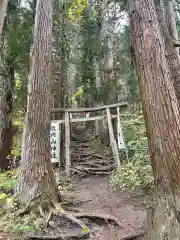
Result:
x=86 y=171
x=78 y=171
x=79 y=202
x=24 y=211
x=66 y=204
x=46 y=216
x=63 y=236
x=47 y=209
x=71 y=217
x=94 y=169
x=105 y=217
x=98 y=173
x=133 y=236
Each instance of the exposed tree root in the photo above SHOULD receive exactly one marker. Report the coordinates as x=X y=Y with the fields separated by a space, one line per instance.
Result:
x=86 y=171
x=24 y=211
x=99 y=173
x=105 y=217
x=79 y=202
x=94 y=169
x=72 y=203
x=47 y=208
x=46 y=215
x=63 y=236
x=90 y=164
x=133 y=236
x=71 y=217
x=73 y=209
x=74 y=170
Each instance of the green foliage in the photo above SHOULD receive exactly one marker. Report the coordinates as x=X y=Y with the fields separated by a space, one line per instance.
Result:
x=20 y=94
x=16 y=148
x=18 y=123
x=17 y=42
x=133 y=129
x=25 y=228
x=137 y=172
x=11 y=223
x=76 y=10
x=85 y=229
x=78 y=93
x=8 y=180
x=8 y=184
x=90 y=48
x=130 y=176
x=3 y=196
x=125 y=64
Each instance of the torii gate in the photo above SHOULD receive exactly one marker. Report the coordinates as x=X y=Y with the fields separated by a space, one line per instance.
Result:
x=56 y=130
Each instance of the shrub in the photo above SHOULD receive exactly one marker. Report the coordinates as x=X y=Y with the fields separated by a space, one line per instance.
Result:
x=137 y=172
x=132 y=175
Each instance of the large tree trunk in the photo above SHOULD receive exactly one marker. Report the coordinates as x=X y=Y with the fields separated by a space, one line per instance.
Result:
x=3 y=9
x=5 y=101
x=171 y=21
x=37 y=178
x=5 y=117
x=60 y=84
x=161 y=115
x=172 y=54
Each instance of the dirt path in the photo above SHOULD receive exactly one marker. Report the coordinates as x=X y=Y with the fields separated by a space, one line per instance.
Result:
x=119 y=204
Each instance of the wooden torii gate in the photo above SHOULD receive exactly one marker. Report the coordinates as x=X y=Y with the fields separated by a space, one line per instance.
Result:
x=115 y=145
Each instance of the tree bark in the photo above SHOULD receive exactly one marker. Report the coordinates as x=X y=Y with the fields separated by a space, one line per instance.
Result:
x=3 y=9
x=6 y=77
x=171 y=21
x=59 y=62
x=60 y=86
x=36 y=177
x=6 y=133
x=172 y=53
x=161 y=115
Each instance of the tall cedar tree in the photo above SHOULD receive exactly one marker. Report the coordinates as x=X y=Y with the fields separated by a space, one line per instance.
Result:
x=3 y=9
x=172 y=54
x=36 y=176
x=5 y=99
x=162 y=118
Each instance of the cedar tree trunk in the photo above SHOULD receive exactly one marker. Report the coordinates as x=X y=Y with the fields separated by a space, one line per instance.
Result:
x=161 y=115
x=36 y=176
x=172 y=53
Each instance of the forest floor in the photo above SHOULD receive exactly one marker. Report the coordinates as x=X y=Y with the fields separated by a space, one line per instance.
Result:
x=95 y=196
x=102 y=200
x=98 y=198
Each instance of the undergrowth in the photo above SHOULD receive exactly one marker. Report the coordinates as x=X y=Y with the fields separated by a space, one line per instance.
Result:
x=8 y=181
x=17 y=123
x=136 y=173
x=10 y=221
